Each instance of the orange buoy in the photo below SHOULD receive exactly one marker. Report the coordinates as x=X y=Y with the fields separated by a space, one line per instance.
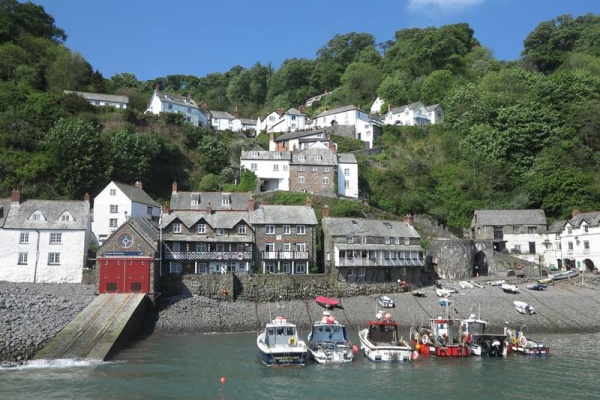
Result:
x=354 y=349
x=223 y=379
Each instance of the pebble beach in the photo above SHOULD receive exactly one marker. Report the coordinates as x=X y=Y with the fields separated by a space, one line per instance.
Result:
x=32 y=314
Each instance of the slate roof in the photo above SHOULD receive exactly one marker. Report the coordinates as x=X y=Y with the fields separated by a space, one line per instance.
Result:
x=4 y=207
x=367 y=227
x=508 y=217
x=18 y=217
x=136 y=194
x=317 y=154
x=557 y=227
x=222 y=115
x=346 y=158
x=592 y=219
x=265 y=155
x=301 y=134
x=149 y=229
x=432 y=107
x=183 y=201
x=224 y=220
x=337 y=111
x=113 y=98
x=283 y=215
x=177 y=99
x=398 y=110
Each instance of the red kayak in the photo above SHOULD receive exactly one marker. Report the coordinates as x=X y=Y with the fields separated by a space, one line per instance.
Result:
x=328 y=303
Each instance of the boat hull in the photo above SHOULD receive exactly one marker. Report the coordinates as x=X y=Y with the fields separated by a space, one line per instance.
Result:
x=331 y=352
x=283 y=358
x=390 y=352
x=451 y=350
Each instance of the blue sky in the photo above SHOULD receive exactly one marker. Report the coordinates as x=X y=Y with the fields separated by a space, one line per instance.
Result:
x=155 y=38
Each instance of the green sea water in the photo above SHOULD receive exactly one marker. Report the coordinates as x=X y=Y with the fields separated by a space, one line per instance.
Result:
x=191 y=367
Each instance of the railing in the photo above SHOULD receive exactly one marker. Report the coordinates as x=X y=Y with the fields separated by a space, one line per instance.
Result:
x=209 y=255
x=285 y=255
x=379 y=262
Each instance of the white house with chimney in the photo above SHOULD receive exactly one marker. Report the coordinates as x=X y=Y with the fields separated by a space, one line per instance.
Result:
x=365 y=128
x=291 y=120
x=171 y=103
x=102 y=100
x=43 y=241
x=414 y=114
x=116 y=203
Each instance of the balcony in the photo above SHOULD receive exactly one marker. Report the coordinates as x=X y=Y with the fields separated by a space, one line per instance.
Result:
x=379 y=262
x=208 y=255
x=285 y=255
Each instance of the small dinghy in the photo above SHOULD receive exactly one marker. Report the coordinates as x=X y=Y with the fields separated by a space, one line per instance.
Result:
x=465 y=285
x=328 y=303
x=418 y=293
x=497 y=283
x=508 y=288
x=537 y=286
x=524 y=308
x=444 y=302
x=443 y=292
x=385 y=302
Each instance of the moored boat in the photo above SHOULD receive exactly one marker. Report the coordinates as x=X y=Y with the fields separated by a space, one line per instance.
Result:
x=328 y=303
x=524 y=308
x=564 y=275
x=518 y=342
x=537 y=286
x=481 y=342
x=279 y=344
x=328 y=341
x=380 y=340
x=497 y=283
x=508 y=288
x=386 y=302
x=441 y=339
x=465 y=285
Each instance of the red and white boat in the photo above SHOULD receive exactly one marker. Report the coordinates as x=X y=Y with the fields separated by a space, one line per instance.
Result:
x=519 y=343
x=328 y=303
x=440 y=339
x=380 y=340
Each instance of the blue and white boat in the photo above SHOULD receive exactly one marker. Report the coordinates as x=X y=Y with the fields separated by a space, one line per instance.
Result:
x=571 y=273
x=328 y=341
x=279 y=344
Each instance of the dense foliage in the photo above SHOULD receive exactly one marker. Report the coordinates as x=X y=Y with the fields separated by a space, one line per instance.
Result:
x=521 y=134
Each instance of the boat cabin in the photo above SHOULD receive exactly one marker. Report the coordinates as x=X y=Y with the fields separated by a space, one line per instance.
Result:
x=383 y=330
x=280 y=333
x=443 y=330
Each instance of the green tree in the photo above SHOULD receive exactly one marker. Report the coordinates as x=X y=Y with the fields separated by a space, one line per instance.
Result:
x=213 y=155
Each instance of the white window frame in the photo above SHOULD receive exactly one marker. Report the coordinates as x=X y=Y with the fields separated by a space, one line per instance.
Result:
x=201 y=229
x=362 y=272
x=55 y=238
x=300 y=230
x=241 y=229
x=22 y=258
x=325 y=180
x=113 y=223
x=220 y=232
x=24 y=238
x=300 y=179
x=114 y=208
x=300 y=267
x=287 y=229
x=346 y=171
x=112 y=192
x=269 y=229
x=253 y=167
x=300 y=168
x=53 y=258
x=176 y=228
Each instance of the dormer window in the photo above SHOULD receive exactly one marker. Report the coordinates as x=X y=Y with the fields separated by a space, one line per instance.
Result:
x=195 y=199
x=277 y=154
x=37 y=216
x=226 y=199
x=66 y=217
x=301 y=158
x=318 y=158
x=255 y=154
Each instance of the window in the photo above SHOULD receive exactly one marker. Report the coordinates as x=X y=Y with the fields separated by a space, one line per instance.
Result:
x=585 y=228
x=300 y=230
x=277 y=154
x=386 y=240
x=586 y=245
x=285 y=167
x=53 y=258
x=346 y=171
x=269 y=247
x=149 y=210
x=112 y=223
x=36 y=216
x=270 y=266
x=325 y=169
x=220 y=232
x=300 y=168
x=201 y=228
x=318 y=158
x=113 y=192
x=349 y=239
x=570 y=244
x=270 y=229
x=325 y=180
x=363 y=240
x=177 y=228
x=175 y=246
x=313 y=168
x=225 y=200
x=362 y=271
x=24 y=239
x=287 y=246
x=531 y=229
x=300 y=179
x=300 y=268
x=255 y=154
x=253 y=167
x=114 y=208
x=275 y=167
x=301 y=158
x=272 y=118
x=569 y=230
x=301 y=246
x=241 y=229
x=286 y=230
x=65 y=217
x=55 y=238
x=176 y=268
x=201 y=247
x=350 y=271
x=22 y=258
x=407 y=241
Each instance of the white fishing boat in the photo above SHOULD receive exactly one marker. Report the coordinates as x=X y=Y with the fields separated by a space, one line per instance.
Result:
x=518 y=342
x=380 y=340
x=497 y=283
x=524 y=308
x=279 y=344
x=328 y=341
x=443 y=292
x=465 y=285
x=385 y=302
x=564 y=275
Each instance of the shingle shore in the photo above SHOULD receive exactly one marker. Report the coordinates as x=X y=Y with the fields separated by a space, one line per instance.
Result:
x=31 y=314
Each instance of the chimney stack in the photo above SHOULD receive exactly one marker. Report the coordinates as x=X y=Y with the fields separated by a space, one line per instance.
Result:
x=15 y=197
x=138 y=184
x=236 y=115
x=325 y=211
x=86 y=197
x=308 y=202
x=165 y=209
x=251 y=203
x=409 y=219
x=174 y=187
x=208 y=208
x=575 y=212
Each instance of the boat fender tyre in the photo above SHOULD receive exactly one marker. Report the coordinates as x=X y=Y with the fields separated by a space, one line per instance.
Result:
x=523 y=341
x=519 y=266
x=425 y=339
x=293 y=341
x=469 y=338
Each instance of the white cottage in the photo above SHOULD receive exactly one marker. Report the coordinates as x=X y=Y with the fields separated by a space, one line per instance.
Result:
x=282 y=121
x=172 y=103
x=102 y=100
x=43 y=241
x=116 y=203
x=365 y=128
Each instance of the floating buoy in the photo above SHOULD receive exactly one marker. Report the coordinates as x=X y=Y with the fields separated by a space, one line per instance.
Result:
x=415 y=354
x=388 y=316
x=418 y=347
x=354 y=349
x=223 y=379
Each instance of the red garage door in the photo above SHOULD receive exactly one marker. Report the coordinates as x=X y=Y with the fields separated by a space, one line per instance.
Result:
x=124 y=275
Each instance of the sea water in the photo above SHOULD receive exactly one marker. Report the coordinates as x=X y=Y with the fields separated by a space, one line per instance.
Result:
x=227 y=366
